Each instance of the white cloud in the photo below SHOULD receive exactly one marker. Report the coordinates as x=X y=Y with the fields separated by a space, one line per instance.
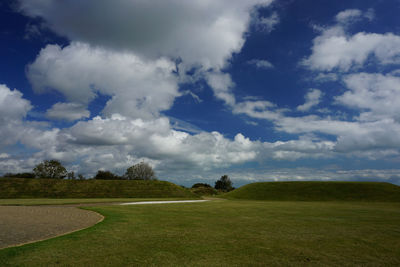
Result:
x=4 y=156
x=334 y=49
x=13 y=109
x=351 y=135
x=257 y=109
x=370 y=14
x=138 y=88
x=337 y=51
x=348 y=15
x=222 y=85
x=198 y=31
x=326 y=77
x=377 y=95
x=12 y=105
x=67 y=111
x=261 y=63
x=266 y=24
x=312 y=98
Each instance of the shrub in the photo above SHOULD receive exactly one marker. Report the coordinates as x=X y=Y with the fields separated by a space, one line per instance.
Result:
x=20 y=175
x=106 y=175
x=201 y=185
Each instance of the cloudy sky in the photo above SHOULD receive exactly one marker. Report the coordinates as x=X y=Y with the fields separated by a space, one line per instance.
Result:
x=260 y=90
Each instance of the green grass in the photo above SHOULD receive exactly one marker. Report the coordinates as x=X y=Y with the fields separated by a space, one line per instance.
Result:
x=227 y=233
x=54 y=188
x=317 y=191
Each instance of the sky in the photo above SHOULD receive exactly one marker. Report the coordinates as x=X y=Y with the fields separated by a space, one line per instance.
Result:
x=260 y=90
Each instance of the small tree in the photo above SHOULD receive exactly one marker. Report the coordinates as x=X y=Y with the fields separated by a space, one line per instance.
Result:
x=224 y=184
x=140 y=171
x=50 y=169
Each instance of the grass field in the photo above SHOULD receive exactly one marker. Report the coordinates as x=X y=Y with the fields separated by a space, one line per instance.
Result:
x=59 y=188
x=227 y=233
x=317 y=191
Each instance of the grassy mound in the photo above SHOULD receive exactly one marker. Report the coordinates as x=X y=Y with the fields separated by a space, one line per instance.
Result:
x=317 y=191
x=53 y=188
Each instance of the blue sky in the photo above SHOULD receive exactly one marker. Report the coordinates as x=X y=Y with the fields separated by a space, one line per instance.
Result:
x=260 y=90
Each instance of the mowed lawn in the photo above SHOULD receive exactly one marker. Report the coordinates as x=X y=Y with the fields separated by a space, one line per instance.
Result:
x=227 y=233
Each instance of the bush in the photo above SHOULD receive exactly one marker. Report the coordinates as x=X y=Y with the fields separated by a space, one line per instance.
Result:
x=204 y=191
x=20 y=175
x=106 y=175
x=201 y=185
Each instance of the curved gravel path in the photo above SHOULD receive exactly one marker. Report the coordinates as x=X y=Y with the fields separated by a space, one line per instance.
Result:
x=25 y=224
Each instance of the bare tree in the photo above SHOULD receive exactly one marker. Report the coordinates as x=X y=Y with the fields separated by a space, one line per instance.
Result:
x=140 y=171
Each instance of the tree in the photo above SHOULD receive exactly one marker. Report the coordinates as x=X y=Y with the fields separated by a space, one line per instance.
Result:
x=140 y=171
x=50 y=169
x=106 y=175
x=224 y=183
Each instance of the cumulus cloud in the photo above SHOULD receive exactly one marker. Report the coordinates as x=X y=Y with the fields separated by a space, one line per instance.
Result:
x=12 y=105
x=312 y=98
x=377 y=95
x=153 y=37
x=130 y=140
x=334 y=49
x=350 y=135
x=13 y=109
x=137 y=88
x=198 y=32
x=67 y=111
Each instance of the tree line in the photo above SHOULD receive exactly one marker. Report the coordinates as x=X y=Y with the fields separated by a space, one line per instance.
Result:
x=53 y=169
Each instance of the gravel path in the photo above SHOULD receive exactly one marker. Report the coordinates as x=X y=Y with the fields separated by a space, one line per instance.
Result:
x=26 y=224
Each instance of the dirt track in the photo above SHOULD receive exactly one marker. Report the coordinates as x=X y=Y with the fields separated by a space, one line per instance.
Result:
x=25 y=224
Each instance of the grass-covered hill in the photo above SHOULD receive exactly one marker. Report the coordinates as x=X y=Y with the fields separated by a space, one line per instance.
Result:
x=317 y=191
x=55 y=188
